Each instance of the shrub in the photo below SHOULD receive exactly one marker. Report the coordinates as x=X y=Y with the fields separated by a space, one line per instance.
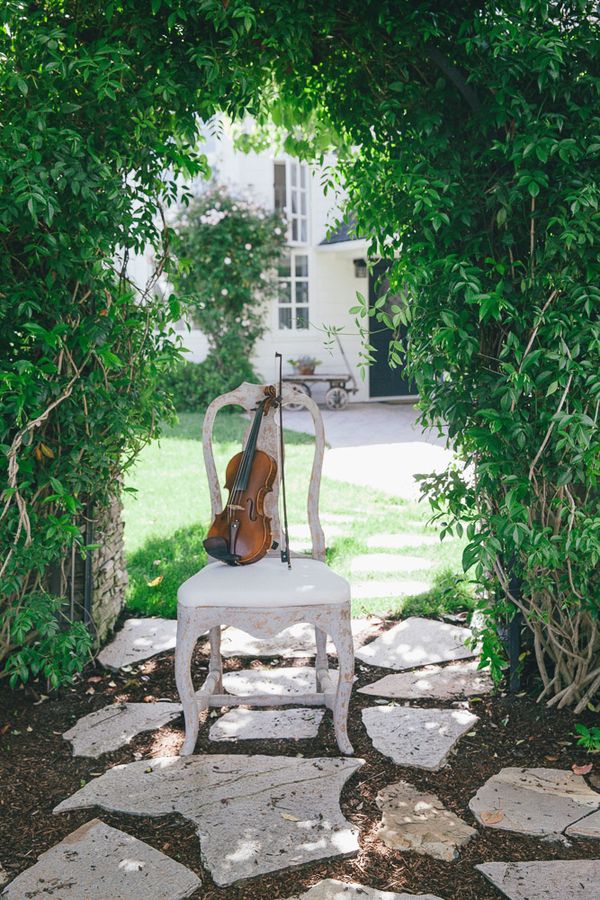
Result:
x=193 y=386
x=227 y=250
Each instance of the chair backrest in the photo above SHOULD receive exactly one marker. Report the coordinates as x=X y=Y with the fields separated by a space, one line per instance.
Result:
x=247 y=395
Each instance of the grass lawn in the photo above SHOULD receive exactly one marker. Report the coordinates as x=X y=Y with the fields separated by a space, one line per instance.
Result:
x=166 y=519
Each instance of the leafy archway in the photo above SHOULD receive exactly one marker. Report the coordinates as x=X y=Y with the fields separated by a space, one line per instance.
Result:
x=465 y=135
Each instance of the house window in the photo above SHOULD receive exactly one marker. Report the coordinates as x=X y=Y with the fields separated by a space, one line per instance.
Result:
x=290 y=185
x=293 y=291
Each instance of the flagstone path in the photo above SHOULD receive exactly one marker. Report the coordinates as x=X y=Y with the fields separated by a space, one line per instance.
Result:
x=331 y=889
x=294 y=642
x=388 y=562
x=439 y=682
x=376 y=588
x=285 y=680
x=113 y=726
x=417 y=642
x=538 y=802
x=411 y=736
x=138 y=639
x=280 y=811
x=256 y=814
x=98 y=862
x=573 y=879
x=413 y=820
x=400 y=540
x=271 y=724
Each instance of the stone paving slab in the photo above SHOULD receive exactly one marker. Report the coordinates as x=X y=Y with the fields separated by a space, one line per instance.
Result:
x=589 y=827
x=417 y=642
x=420 y=822
x=388 y=562
x=253 y=814
x=331 y=889
x=302 y=532
x=573 y=879
x=113 y=726
x=285 y=680
x=292 y=643
x=98 y=862
x=386 y=541
x=271 y=724
x=412 y=736
x=461 y=679
x=138 y=639
x=388 y=587
x=534 y=801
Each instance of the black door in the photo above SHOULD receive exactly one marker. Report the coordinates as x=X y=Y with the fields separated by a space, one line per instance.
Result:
x=383 y=380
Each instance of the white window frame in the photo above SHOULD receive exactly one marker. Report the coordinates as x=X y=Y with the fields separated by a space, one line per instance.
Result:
x=293 y=279
x=297 y=181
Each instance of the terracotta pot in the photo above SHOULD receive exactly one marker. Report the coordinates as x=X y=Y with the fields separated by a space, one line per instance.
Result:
x=306 y=370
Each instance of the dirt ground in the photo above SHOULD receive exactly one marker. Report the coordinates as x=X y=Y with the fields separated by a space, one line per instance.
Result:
x=37 y=771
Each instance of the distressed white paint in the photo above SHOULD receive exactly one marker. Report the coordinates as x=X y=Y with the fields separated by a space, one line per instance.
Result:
x=329 y=616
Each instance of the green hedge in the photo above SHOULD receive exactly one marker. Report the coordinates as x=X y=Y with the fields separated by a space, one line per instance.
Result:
x=193 y=386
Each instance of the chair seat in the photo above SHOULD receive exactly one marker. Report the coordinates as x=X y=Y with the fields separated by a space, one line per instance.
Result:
x=266 y=583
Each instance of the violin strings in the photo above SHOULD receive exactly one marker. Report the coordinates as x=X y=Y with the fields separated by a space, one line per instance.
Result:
x=243 y=467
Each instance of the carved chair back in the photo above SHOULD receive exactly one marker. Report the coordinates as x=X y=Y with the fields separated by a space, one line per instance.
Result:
x=247 y=396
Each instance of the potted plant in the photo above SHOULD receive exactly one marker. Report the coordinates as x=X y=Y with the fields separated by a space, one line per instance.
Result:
x=305 y=365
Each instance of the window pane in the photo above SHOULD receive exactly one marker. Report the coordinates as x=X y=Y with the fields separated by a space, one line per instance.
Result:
x=279 y=185
x=284 y=265
x=294 y=229
x=285 y=292
x=303 y=203
x=301 y=267
x=285 y=318
x=302 y=317
x=293 y=173
x=294 y=203
x=303 y=176
x=303 y=231
x=302 y=292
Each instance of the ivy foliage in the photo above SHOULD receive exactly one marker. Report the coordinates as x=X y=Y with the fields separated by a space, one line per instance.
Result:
x=467 y=135
x=478 y=136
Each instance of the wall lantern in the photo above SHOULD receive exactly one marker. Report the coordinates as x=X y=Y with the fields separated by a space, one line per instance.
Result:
x=360 y=268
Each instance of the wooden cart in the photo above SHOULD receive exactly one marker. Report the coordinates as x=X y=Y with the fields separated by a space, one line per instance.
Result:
x=340 y=385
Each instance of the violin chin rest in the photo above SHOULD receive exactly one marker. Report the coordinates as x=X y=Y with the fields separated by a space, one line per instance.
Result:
x=218 y=548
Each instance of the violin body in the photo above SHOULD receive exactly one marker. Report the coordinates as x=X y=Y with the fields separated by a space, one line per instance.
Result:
x=241 y=534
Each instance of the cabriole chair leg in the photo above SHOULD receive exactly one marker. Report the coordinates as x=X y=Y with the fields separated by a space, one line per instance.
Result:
x=341 y=635
x=186 y=641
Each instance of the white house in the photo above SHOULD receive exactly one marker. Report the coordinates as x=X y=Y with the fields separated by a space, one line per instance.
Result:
x=323 y=269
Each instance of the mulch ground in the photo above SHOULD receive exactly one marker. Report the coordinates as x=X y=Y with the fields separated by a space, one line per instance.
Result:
x=37 y=771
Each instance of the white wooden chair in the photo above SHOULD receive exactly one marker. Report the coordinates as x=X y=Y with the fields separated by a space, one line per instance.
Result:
x=265 y=597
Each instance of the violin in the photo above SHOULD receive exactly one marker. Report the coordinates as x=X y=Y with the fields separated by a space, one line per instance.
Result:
x=241 y=533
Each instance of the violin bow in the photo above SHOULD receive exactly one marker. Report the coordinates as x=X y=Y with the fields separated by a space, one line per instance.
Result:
x=285 y=545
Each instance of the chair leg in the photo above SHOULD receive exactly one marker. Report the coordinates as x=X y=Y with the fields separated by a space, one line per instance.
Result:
x=216 y=663
x=184 y=648
x=321 y=663
x=341 y=634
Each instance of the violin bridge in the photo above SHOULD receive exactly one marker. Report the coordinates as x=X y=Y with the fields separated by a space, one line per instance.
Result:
x=234 y=506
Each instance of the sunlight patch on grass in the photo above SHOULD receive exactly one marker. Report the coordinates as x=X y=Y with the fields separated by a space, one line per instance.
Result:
x=167 y=516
